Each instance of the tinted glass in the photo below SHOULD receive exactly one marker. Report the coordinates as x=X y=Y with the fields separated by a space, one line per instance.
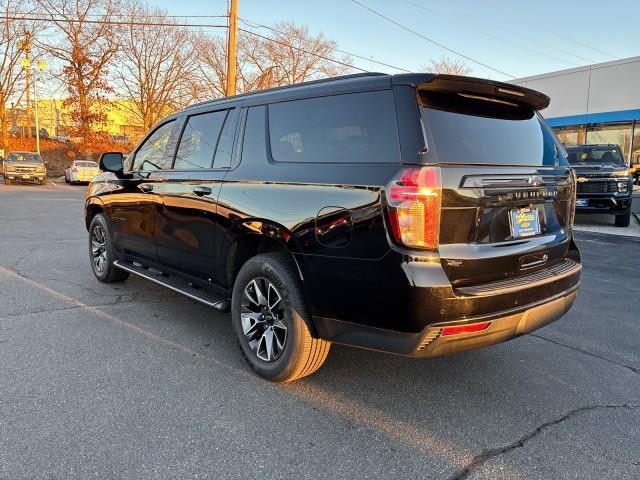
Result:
x=350 y=128
x=199 y=140
x=254 y=148
x=465 y=138
x=152 y=154
x=225 y=143
x=586 y=154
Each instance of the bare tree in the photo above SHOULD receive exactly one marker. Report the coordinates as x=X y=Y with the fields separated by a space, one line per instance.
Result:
x=289 y=54
x=292 y=54
x=85 y=48
x=11 y=72
x=157 y=62
x=447 y=65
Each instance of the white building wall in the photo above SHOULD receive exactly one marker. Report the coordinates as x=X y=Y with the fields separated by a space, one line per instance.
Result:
x=603 y=87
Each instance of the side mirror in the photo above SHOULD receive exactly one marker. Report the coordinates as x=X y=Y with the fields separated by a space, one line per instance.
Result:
x=111 y=162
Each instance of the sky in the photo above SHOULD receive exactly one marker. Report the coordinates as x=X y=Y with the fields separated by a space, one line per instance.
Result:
x=514 y=38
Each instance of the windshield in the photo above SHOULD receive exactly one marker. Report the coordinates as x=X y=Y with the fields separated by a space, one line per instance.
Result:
x=609 y=154
x=470 y=130
x=87 y=164
x=24 y=157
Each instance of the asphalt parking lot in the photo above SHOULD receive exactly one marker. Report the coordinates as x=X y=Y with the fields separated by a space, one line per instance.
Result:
x=132 y=381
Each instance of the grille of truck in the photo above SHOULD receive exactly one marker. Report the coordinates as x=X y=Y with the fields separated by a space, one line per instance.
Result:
x=609 y=186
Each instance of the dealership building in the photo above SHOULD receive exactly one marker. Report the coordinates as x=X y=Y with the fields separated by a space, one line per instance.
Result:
x=594 y=104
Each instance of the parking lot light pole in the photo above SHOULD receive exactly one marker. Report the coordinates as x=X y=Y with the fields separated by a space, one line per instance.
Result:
x=42 y=65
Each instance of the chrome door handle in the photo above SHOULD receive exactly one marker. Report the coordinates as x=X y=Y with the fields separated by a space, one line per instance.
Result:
x=201 y=190
x=146 y=187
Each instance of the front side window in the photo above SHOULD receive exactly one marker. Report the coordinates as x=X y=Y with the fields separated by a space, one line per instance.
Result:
x=152 y=154
x=199 y=140
x=347 y=128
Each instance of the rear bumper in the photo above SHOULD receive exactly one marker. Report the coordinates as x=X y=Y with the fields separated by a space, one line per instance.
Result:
x=512 y=306
x=75 y=177
x=431 y=342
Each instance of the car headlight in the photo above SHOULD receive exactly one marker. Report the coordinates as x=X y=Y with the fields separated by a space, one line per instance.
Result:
x=41 y=169
x=621 y=173
x=623 y=186
x=10 y=168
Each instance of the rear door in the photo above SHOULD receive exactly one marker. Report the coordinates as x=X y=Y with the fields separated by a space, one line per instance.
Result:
x=186 y=207
x=507 y=188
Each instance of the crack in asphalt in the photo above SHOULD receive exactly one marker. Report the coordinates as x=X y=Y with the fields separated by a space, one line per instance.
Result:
x=587 y=352
x=488 y=454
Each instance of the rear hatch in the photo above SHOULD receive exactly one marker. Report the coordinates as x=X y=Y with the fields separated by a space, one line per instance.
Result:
x=507 y=189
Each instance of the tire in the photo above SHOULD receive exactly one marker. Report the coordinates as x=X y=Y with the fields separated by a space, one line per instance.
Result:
x=623 y=220
x=66 y=179
x=294 y=353
x=7 y=181
x=102 y=264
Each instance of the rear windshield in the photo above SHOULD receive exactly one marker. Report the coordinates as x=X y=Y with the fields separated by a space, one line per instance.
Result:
x=474 y=130
x=24 y=157
x=87 y=164
x=599 y=154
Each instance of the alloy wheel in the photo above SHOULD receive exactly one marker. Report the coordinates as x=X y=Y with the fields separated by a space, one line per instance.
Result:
x=99 y=248
x=262 y=317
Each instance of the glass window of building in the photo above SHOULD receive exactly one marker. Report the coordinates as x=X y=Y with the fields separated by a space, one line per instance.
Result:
x=574 y=135
x=635 y=149
x=615 y=133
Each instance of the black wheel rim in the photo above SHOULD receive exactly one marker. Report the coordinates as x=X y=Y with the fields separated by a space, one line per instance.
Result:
x=262 y=317
x=99 y=248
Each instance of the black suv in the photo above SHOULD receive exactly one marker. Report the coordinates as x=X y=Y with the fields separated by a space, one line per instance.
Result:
x=416 y=214
x=603 y=179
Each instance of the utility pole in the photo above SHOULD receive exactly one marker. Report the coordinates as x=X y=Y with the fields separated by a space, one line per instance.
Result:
x=41 y=67
x=232 y=48
x=26 y=63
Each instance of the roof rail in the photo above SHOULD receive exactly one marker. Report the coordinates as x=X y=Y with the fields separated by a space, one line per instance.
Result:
x=285 y=87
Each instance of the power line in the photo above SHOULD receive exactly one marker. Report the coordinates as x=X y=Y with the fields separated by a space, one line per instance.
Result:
x=302 y=50
x=590 y=47
x=121 y=23
x=52 y=19
x=251 y=23
x=375 y=12
x=496 y=37
x=468 y=12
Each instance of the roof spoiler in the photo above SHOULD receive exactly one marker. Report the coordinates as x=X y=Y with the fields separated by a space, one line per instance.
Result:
x=474 y=87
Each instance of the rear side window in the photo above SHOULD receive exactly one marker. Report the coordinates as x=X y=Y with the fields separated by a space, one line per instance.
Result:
x=348 y=128
x=199 y=140
x=473 y=130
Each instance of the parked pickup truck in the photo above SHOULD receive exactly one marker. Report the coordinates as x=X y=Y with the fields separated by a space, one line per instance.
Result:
x=604 y=184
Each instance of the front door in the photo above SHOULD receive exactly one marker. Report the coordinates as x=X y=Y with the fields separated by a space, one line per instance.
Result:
x=186 y=218
x=131 y=209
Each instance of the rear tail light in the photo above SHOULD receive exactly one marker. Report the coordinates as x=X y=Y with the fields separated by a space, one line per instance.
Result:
x=414 y=201
x=74 y=170
x=474 y=327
